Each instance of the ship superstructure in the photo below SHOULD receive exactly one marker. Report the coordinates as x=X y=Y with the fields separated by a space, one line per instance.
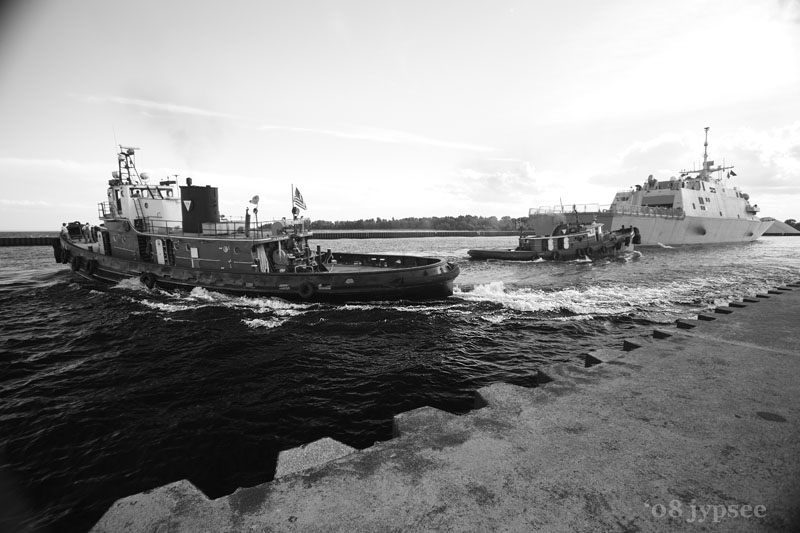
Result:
x=697 y=207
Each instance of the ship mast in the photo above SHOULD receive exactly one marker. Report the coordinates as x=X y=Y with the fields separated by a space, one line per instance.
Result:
x=704 y=171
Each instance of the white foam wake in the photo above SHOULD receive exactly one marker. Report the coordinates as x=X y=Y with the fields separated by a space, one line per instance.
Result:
x=601 y=300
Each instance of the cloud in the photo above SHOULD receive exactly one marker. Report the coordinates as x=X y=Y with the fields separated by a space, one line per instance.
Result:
x=495 y=180
x=382 y=136
x=362 y=133
x=150 y=105
x=52 y=167
x=24 y=203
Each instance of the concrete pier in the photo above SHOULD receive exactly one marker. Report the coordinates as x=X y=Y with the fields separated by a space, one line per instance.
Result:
x=696 y=428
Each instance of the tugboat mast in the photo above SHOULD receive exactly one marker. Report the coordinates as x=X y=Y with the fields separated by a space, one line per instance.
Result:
x=127 y=164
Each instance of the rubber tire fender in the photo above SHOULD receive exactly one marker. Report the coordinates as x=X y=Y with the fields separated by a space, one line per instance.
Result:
x=148 y=279
x=306 y=290
x=57 y=250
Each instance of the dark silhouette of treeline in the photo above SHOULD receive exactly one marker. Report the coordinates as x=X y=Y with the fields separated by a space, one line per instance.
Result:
x=459 y=223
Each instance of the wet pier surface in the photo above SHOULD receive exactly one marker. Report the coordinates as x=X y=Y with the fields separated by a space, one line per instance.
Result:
x=696 y=428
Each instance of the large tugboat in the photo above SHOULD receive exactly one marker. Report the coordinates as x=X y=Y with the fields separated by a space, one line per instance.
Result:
x=173 y=237
x=566 y=242
x=698 y=207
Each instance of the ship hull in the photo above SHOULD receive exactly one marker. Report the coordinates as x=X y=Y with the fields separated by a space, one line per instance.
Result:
x=687 y=230
x=353 y=277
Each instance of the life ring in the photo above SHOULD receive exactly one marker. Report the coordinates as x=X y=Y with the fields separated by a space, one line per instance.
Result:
x=76 y=262
x=91 y=266
x=556 y=256
x=148 y=279
x=306 y=290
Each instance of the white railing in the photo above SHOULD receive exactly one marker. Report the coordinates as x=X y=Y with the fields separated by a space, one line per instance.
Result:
x=634 y=210
x=566 y=209
x=647 y=211
x=231 y=228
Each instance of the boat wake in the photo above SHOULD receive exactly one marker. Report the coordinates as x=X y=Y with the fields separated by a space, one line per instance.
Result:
x=630 y=256
x=579 y=304
x=256 y=312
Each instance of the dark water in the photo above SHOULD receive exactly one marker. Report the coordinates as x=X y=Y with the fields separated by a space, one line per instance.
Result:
x=110 y=391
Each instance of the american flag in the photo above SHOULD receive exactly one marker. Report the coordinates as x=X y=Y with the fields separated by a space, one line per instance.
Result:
x=298 y=199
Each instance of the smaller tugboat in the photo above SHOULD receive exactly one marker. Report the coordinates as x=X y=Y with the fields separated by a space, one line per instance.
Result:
x=178 y=240
x=567 y=242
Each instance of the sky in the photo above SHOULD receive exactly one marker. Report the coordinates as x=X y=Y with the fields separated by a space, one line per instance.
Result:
x=394 y=109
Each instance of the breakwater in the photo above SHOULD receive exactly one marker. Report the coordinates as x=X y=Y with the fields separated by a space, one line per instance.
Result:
x=27 y=241
x=406 y=234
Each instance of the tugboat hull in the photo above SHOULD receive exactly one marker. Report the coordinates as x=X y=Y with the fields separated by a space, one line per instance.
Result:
x=351 y=277
x=506 y=254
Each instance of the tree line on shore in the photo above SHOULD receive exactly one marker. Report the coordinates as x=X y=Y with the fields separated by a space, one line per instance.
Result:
x=793 y=223
x=459 y=223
